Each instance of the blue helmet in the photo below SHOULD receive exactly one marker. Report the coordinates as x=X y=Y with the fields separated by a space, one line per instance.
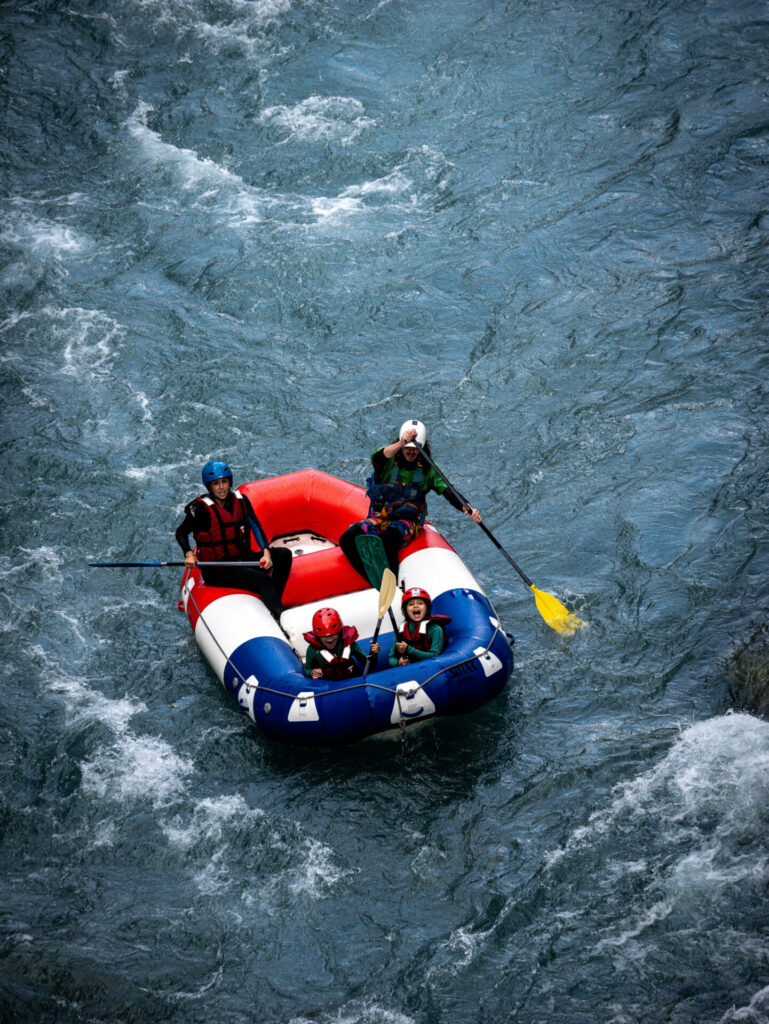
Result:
x=215 y=470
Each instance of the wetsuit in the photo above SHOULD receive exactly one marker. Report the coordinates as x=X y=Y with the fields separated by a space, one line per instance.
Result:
x=226 y=537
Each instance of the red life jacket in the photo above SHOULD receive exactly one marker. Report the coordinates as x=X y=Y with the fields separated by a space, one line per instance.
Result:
x=337 y=667
x=228 y=534
x=415 y=633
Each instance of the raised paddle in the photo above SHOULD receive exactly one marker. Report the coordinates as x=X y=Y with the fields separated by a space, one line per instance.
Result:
x=386 y=595
x=374 y=558
x=556 y=615
x=137 y=565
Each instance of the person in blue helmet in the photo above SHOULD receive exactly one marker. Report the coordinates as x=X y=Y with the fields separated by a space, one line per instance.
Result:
x=223 y=521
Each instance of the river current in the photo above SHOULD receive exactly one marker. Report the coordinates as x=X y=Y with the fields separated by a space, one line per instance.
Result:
x=270 y=231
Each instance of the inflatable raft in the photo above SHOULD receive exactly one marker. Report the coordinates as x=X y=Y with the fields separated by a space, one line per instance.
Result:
x=261 y=663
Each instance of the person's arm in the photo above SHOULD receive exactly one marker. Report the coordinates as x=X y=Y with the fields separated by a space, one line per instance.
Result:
x=257 y=530
x=379 y=462
x=260 y=537
x=190 y=524
x=183 y=531
x=391 y=450
x=439 y=485
x=310 y=663
x=357 y=654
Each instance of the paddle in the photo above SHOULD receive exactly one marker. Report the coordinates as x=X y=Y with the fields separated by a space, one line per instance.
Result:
x=386 y=595
x=374 y=558
x=556 y=615
x=136 y=565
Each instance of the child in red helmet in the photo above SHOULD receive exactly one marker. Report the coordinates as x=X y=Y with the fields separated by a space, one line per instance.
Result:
x=423 y=634
x=333 y=652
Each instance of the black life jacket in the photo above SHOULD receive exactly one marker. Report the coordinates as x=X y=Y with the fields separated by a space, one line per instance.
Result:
x=341 y=666
x=396 y=498
x=228 y=534
x=415 y=633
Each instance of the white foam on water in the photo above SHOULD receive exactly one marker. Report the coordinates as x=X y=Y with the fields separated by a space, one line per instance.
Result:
x=317 y=873
x=144 y=404
x=711 y=783
x=118 y=78
x=209 y=834
x=42 y=236
x=163 y=469
x=44 y=558
x=83 y=703
x=462 y=946
x=357 y=1012
x=35 y=400
x=191 y=170
x=654 y=914
x=210 y=821
x=104 y=834
x=198 y=993
x=74 y=624
x=756 y=1012
x=353 y=198
x=241 y=22
x=708 y=795
x=214 y=877
x=92 y=341
x=334 y=208
x=137 y=768
x=320 y=118
x=393 y=184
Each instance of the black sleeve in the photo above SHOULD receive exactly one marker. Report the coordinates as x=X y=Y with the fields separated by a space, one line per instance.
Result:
x=190 y=523
x=378 y=460
x=257 y=530
x=452 y=499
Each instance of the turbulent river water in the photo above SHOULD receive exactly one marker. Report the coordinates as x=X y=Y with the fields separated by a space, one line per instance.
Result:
x=269 y=231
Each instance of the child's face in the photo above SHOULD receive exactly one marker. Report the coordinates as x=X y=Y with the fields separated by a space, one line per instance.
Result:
x=416 y=609
x=329 y=642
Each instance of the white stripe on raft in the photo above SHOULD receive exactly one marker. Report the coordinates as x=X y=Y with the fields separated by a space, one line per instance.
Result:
x=437 y=570
x=233 y=620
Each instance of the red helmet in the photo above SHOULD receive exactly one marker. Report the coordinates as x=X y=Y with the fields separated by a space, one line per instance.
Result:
x=326 y=622
x=417 y=592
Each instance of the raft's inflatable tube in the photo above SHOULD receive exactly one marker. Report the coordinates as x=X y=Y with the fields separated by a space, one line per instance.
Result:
x=261 y=664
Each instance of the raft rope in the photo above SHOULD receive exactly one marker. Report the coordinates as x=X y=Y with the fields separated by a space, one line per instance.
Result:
x=342 y=689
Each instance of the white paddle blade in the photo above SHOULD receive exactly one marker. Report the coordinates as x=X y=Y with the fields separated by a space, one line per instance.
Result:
x=387 y=592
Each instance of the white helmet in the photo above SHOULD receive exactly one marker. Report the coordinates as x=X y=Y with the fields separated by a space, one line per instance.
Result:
x=421 y=437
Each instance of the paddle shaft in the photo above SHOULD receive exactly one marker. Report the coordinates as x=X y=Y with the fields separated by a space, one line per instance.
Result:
x=482 y=525
x=373 y=641
x=136 y=565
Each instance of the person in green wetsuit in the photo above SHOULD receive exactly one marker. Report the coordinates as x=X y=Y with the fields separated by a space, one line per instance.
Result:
x=423 y=634
x=397 y=491
x=332 y=652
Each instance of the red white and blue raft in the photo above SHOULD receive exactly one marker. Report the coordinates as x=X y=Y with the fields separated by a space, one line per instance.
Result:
x=261 y=665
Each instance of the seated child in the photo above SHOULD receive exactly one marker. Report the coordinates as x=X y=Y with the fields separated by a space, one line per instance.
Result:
x=423 y=635
x=333 y=652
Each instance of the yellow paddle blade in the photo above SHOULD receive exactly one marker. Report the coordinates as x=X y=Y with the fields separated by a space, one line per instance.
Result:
x=387 y=591
x=556 y=615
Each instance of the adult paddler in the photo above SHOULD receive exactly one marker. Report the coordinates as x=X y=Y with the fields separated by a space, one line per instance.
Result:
x=397 y=492
x=223 y=522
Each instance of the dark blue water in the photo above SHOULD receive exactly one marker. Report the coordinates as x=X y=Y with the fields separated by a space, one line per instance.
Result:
x=271 y=230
